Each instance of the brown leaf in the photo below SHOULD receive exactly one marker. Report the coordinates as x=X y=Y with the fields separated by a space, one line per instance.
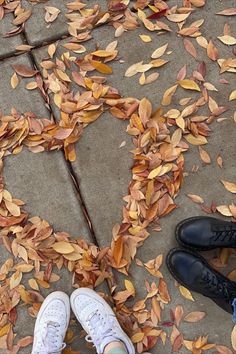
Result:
x=212 y=51
x=194 y=316
x=205 y=157
x=190 y=48
x=228 y=12
x=23 y=70
x=196 y=198
x=22 y=17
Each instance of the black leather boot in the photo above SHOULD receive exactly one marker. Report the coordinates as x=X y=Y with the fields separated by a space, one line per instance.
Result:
x=204 y=233
x=192 y=271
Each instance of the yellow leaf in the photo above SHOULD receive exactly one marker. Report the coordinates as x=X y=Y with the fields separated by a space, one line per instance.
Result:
x=224 y=210
x=14 y=81
x=129 y=286
x=102 y=53
x=12 y=208
x=33 y=284
x=232 y=96
x=24 y=267
x=233 y=337
x=137 y=337
x=186 y=293
x=102 y=68
x=74 y=256
x=200 y=140
x=167 y=97
x=230 y=186
x=142 y=79
x=63 y=247
x=229 y=40
x=15 y=279
x=159 y=51
x=63 y=76
x=32 y=85
x=154 y=173
x=189 y=85
x=180 y=122
x=145 y=38
x=4 y=330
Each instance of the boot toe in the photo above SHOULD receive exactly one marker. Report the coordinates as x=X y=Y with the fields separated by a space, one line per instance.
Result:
x=184 y=266
x=194 y=232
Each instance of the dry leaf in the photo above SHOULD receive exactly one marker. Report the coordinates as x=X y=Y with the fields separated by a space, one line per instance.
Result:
x=233 y=337
x=23 y=70
x=232 y=96
x=63 y=247
x=224 y=210
x=145 y=38
x=159 y=51
x=194 y=317
x=189 y=85
x=190 y=48
x=205 y=157
x=14 y=81
x=230 y=186
x=186 y=293
x=226 y=39
x=196 y=198
x=212 y=51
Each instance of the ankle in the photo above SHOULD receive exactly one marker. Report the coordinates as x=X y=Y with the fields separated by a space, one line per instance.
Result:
x=115 y=347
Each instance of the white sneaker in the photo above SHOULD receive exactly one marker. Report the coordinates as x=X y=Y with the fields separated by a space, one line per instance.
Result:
x=51 y=324
x=98 y=320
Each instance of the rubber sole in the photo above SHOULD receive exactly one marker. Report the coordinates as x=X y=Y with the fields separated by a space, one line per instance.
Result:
x=185 y=245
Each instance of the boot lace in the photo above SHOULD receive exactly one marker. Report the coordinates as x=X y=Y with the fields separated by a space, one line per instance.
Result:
x=227 y=233
x=217 y=286
x=100 y=327
x=48 y=342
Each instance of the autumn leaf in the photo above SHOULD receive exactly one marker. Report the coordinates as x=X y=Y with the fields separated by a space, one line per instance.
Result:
x=14 y=81
x=190 y=48
x=196 y=198
x=232 y=96
x=159 y=51
x=194 y=316
x=189 y=85
x=186 y=293
x=63 y=247
x=230 y=186
x=212 y=51
x=102 y=68
x=233 y=337
x=23 y=70
x=205 y=157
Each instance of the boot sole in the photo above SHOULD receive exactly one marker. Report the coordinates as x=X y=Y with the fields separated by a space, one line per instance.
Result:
x=180 y=281
x=185 y=245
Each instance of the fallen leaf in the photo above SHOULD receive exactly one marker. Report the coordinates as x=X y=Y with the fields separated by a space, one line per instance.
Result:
x=233 y=337
x=226 y=39
x=14 y=81
x=190 y=48
x=230 y=186
x=189 y=85
x=63 y=247
x=205 y=157
x=24 y=70
x=232 y=96
x=212 y=51
x=159 y=51
x=186 y=293
x=196 y=198
x=145 y=38
x=194 y=317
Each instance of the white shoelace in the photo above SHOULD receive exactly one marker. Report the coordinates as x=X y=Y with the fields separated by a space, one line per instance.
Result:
x=100 y=328
x=48 y=339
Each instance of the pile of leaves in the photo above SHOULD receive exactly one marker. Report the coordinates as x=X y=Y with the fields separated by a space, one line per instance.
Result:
x=161 y=136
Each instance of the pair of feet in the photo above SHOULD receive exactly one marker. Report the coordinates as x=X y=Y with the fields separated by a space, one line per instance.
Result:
x=191 y=270
x=94 y=314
